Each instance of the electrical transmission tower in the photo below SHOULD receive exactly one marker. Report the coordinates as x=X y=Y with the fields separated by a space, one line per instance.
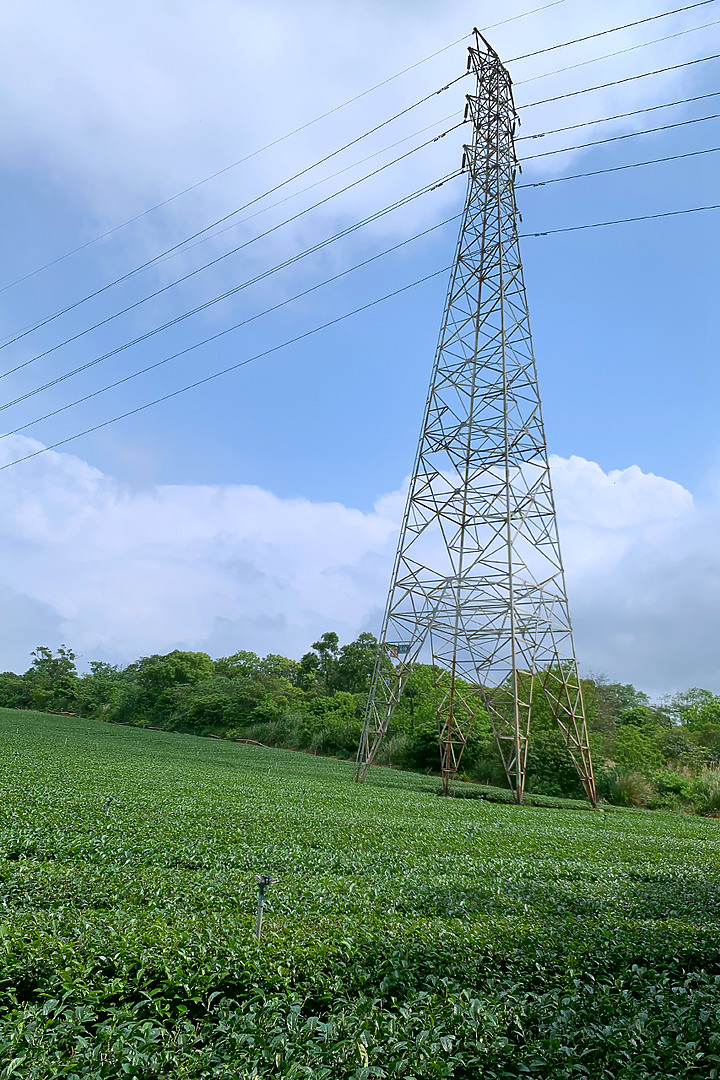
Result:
x=478 y=587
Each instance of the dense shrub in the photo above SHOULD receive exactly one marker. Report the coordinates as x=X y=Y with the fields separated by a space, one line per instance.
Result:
x=550 y=769
x=631 y=789
x=706 y=793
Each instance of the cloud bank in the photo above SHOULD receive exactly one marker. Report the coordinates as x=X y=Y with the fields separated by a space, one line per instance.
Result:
x=117 y=571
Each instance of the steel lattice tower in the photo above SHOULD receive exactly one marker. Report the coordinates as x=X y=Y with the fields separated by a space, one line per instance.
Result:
x=478 y=587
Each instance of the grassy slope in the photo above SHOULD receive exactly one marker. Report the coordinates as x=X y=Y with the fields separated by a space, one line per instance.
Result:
x=407 y=935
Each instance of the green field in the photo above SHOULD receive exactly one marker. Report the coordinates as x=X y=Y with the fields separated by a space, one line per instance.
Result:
x=407 y=935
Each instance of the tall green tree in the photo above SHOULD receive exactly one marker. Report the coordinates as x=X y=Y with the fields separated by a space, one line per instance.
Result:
x=694 y=706
x=154 y=680
x=354 y=665
x=317 y=669
x=52 y=678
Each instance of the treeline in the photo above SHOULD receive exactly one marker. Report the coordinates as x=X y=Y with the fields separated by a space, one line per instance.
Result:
x=657 y=755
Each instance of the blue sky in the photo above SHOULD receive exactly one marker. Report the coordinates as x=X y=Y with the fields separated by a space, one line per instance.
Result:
x=110 y=112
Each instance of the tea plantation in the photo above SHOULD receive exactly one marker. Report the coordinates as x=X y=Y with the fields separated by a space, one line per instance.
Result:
x=406 y=935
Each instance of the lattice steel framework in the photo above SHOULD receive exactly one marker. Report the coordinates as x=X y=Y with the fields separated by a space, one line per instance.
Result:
x=478 y=587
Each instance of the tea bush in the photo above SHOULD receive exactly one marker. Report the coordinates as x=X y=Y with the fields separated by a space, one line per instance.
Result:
x=406 y=935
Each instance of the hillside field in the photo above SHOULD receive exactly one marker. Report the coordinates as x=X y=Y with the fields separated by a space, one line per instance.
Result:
x=407 y=935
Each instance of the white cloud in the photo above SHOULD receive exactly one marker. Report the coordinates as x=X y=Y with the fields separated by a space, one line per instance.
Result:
x=643 y=572
x=605 y=515
x=130 y=571
x=117 y=572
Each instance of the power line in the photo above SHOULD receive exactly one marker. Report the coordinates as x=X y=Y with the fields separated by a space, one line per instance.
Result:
x=622 y=221
x=225 y=295
x=233 y=165
x=315 y=184
x=226 y=254
x=232 y=367
x=271 y=145
x=212 y=262
x=627 y=135
x=231 y=329
x=420 y=131
x=618 y=82
x=225 y=217
x=194 y=311
x=163 y=255
x=619 y=116
x=325 y=180
x=512 y=19
x=337 y=108
x=619 y=52
x=244 y=284
x=229 y=292
x=334 y=278
x=338 y=276
x=249 y=217
x=612 y=30
x=618 y=168
x=171 y=252
x=332 y=322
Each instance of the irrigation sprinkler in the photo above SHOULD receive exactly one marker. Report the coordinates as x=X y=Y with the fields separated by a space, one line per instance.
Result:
x=302 y=801
x=263 y=881
x=107 y=804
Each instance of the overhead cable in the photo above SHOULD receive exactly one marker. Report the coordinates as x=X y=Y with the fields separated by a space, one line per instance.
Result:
x=225 y=217
x=234 y=165
x=612 y=30
x=272 y=144
x=189 y=246
x=214 y=262
x=618 y=138
x=618 y=52
x=618 y=82
x=619 y=116
x=618 y=168
x=512 y=19
x=232 y=251
x=537 y=184
x=230 y=368
x=324 y=326
x=229 y=292
x=622 y=221
x=230 y=329
x=336 y=277
x=315 y=184
x=274 y=269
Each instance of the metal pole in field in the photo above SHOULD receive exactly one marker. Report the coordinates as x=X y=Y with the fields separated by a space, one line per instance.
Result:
x=263 y=881
x=478 y=586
